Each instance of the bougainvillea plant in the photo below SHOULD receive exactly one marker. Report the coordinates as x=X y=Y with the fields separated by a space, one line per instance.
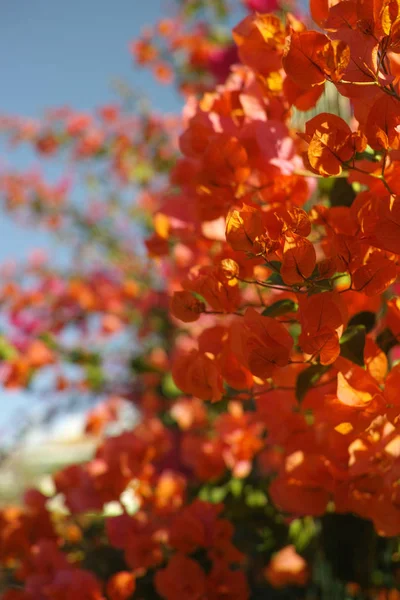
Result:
x=258 y=335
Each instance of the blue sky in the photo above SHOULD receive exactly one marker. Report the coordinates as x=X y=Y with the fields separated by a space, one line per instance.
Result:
x=66 y=53
x=57 y=53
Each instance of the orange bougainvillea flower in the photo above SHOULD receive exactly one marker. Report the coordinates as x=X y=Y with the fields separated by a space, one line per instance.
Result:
x=197 y=373
x=39 y=355
x=260 y=343
x=195 y=139
x=203 y=456
x=189 y=413
x=375 y=276
x=386 y=225
x=319 y=11
x=336 y=58
x=143 y=552
x=232 y=370
x=182 y=579
x=302 y=98
x=295 y=497
x=157 y=245
x=351 y=396
x=287 y=568
x=70 y=583
x=260 y=39
x=121 y=586
x=383 y=123
x=376 y=361
x=225 y=161
x=17 y=374
x=217 y=287
x=243 y=227
x=327 y=309
x=331 y=143
x=307 y=57
x=322 y=317
x=357 y=390
x=303 y=486
x=392 y=395
x=186 y=307
x=224 y=582
x=16 y=594
x=393 y=316
x=299 y=259
x=187 y=532
x=199 y=526
x=324 y=342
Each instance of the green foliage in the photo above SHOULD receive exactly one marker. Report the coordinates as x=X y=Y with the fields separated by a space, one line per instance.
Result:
x=279 y=308
x=352 y=344
x=308 y=378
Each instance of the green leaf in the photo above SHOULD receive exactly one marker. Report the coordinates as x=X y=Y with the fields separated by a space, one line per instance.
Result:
x=142 y=173
x=214 y=494
x=342 y=193
x=275 y=264
x=220 y=9
x=386 y=340
x=49 y=339
x=139 y=365
x=366 y=318
x=236 y=487
x=369 y=154
x=82 y=357
x=308 y=378
x=169 y=389
x=95 y=376
x=325 y=184
x=352 y=344
x=324 y=285
x=302 y=532
x=281 y=307
x=256 y=498
x=295 y=331
x=7 y=351
x=267 y=540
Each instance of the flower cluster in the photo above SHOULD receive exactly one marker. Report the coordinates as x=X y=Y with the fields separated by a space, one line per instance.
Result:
x=267 y=314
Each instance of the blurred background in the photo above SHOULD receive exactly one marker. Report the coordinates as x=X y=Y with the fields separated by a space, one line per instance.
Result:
x=75 y=55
